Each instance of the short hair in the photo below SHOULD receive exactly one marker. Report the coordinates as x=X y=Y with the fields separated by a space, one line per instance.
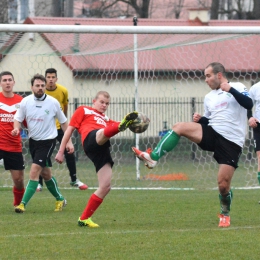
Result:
x=37 y=76
x=102 y=92
x=50 y=70
x=4 y=73
x=217 y=67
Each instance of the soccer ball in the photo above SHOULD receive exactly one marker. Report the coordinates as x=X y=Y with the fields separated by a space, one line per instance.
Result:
x=140 y=124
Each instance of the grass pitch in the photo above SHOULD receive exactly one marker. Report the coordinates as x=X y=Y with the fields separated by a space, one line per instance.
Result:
x=134 y=224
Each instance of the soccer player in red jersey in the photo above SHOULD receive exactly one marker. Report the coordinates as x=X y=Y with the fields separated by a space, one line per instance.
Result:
x=95 y=129
x=11 y=146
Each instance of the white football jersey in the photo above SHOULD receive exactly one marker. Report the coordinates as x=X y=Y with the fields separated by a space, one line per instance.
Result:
x=225 y=114
x=254 y=93
x=40 y=116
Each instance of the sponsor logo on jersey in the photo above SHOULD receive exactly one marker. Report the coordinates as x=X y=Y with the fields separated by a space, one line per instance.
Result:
x=6 y=117
x=100 y=121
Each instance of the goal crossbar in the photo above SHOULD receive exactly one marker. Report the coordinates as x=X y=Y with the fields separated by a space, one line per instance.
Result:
x=130 y=29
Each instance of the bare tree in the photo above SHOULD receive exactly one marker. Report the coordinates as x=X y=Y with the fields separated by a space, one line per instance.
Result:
x=256 y=9
x=174 y=9
x=236 y=9
x=116 y=8
x=214 y=10
x=62 y=8
x=56 y=8
x=140 y=6
x=68 y=8
x=4 y=11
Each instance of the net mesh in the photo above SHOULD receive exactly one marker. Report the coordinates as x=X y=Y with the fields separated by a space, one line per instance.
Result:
x=169 y=88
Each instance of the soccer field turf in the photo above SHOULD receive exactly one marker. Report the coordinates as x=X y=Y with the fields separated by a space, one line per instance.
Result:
x=134 y=224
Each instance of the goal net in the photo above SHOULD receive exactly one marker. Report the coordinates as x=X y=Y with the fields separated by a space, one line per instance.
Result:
x=151 y=70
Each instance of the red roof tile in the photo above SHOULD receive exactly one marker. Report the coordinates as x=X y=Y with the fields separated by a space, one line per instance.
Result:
x=114 y=52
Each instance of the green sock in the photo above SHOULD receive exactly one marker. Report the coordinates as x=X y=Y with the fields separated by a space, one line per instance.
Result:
x=52 y=186
x=258 y=177
x=225 y=203
x=167 y=143
x=29 y=191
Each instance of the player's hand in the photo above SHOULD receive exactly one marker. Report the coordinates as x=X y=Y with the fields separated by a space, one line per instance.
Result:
x=59 y=157
x=15 y=132
x=69 y=147
x=253 y=122
x=225 y=86
x=196 y=117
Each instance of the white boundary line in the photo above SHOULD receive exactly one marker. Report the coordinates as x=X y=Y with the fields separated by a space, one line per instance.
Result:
x=129 y=231
x=155 y=188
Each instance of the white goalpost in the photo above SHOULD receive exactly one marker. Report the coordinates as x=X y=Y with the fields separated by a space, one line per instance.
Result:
x=157 y=70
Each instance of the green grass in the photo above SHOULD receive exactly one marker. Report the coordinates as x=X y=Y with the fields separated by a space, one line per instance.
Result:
x=200 y=175
x=134 y=224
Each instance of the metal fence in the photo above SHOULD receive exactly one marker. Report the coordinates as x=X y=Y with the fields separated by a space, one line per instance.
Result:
x=163 y=112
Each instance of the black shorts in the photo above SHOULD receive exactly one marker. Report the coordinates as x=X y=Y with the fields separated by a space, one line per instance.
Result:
x=225 y=151
x=41 y=151
x=98 y=154
x=12 y=160
x=256 y=132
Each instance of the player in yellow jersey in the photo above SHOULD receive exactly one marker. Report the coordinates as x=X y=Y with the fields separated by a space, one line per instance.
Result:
x=61 y=94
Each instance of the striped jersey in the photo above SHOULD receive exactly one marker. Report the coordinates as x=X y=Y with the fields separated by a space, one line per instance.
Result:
x=8 y=107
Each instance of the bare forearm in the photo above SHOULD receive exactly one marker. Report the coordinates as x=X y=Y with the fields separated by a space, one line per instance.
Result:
x=66 y=137
x=17 y=124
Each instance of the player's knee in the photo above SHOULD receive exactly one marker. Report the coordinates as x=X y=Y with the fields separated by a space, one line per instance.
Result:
x=18 y=182
x=178 y=127
x=223 y=188
x=106 y=188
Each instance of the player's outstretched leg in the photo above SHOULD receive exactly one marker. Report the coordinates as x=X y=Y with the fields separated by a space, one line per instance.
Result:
x=127 y=121
x=166 y=144
x=145 y=156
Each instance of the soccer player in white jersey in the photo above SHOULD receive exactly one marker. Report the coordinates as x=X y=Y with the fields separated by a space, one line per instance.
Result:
x=40 y=111
x=221 y=130
x=11 y=146
x=253 y=121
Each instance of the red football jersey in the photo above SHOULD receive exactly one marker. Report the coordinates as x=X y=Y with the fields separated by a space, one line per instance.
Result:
x=8 y=107
x=86 y=119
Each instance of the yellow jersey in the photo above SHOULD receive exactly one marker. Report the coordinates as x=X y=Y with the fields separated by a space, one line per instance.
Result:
x=62 y=95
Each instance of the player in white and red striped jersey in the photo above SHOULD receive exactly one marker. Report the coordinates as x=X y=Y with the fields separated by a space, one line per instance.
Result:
x=11 y=146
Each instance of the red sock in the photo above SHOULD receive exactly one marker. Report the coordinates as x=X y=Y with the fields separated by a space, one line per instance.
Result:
x=18 y=195
x=93 y=203
x=111 y=130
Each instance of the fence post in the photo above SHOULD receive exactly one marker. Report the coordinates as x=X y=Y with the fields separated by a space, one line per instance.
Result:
x=251 y=146
x=76 y=134
x=193 y=110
